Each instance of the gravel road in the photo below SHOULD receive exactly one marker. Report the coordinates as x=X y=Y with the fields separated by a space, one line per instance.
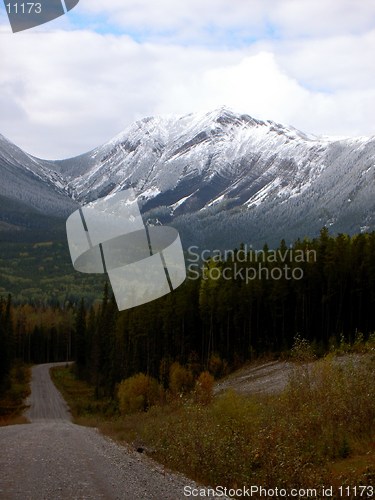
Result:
x=45 y=402
x=51 y=458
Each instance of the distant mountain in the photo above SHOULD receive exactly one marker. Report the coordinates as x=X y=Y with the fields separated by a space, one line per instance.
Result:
x=223 y=178
x=32 y=194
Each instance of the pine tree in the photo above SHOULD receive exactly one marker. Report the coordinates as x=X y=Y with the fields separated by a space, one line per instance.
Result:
x=6 y=339
x=80 y=339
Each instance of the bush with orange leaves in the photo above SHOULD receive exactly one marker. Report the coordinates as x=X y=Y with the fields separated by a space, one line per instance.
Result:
x=204 y=388
x=138 y=393
x=181 y=379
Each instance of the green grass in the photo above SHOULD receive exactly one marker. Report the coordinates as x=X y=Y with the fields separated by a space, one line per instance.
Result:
x=319 y=430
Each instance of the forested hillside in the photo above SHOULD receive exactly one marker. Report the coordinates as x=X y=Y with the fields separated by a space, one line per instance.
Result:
x=41 y=273
x=217 y=320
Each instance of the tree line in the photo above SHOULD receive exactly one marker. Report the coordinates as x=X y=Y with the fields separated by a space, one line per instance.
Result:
x=232 y=308
x=214 y=322
x=34 y=334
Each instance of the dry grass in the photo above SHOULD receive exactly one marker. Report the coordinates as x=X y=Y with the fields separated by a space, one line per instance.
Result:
x=300 y=438
x=319 y=430
x=80 y=396
x=13 y=420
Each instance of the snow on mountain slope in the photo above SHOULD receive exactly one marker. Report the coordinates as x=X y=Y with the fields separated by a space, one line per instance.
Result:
x=31 y=182
x=223 y=178
x=213 y=154
x=268 y=178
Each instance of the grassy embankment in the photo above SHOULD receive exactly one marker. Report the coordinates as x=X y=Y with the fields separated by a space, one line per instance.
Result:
x=12 y=399
x=319 y=431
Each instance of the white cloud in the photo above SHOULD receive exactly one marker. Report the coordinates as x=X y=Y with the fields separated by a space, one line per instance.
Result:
x=76 y=89
x=340 y=62
x=320 y=18
x=179 y=19
x=288 y=18
x=64 y=92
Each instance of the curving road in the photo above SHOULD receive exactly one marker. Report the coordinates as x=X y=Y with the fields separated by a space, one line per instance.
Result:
x=53 y=459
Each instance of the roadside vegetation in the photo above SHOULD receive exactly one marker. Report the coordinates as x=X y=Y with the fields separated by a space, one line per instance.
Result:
x=15 y=389
x=86 y=409
x=320 y=430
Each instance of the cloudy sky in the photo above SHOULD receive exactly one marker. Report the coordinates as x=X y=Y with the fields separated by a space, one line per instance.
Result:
x=74 y=83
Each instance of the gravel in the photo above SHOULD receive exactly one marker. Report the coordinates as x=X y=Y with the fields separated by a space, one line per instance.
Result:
x=267 y=378
x=51 y=458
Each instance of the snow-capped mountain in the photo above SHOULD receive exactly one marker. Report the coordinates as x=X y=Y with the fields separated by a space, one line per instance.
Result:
x=206 y=158
x=31 y=182
x=233 y=178
x=31 y=192
x=223 y=178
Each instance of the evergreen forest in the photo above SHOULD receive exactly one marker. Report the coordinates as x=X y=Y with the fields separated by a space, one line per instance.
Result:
x=217 y=320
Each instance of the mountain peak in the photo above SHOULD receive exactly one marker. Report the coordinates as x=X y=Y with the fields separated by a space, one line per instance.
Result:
x=226 y=116
x=222 y=168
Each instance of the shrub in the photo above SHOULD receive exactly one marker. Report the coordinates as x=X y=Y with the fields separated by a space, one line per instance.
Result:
x=204 y=388
x=194 y=364
x=335 y=401
x=138 y=393
x=370 y=344
x=164 y=367
x=181 y=380
x=293 y=439
x=215 y=364
x=302 y=350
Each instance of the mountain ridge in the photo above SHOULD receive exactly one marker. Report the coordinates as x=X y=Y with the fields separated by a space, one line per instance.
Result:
x=202 y=172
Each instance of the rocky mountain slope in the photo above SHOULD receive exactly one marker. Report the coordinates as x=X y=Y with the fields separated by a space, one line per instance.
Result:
x=221 y=177
x=32 y=194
